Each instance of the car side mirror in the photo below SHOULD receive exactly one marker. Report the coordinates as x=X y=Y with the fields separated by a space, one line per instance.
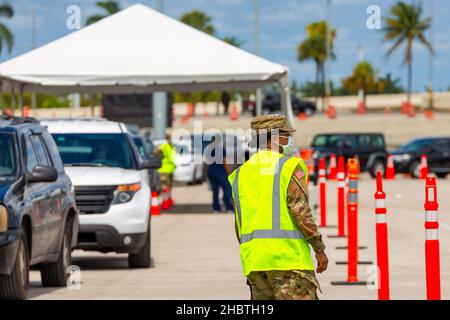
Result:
x=151 y=162
x=42 y=174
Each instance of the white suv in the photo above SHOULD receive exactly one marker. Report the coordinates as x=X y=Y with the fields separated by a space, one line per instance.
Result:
x=111 y=185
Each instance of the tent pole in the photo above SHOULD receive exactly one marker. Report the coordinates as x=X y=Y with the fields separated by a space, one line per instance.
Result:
x=21 y=99
x=159 y=114
x=13 y=99
x=286 y=106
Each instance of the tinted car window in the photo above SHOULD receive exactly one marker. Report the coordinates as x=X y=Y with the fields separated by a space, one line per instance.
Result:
x=113 y=150
x=142 y=148
x=39 y=148
x=53 y=152
x=350 y=142
x=7 y=155
x=365 y=140
x=377 y=141
x=320 y=141
x=32 y=159
x=441 y=145
x=417 y=145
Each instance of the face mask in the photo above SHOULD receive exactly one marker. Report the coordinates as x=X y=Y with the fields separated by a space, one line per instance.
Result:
x=289 y=148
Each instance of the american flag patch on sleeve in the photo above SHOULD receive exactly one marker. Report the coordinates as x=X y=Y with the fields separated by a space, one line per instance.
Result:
x=299 y=174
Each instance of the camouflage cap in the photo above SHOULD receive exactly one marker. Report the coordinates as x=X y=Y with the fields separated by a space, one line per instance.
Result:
x=271 y=122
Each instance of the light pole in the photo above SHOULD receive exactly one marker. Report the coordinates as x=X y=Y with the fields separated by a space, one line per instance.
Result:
x=32 y=10
x=328 y=51
x=257 y=52
x=430 y=71
x=160 y=5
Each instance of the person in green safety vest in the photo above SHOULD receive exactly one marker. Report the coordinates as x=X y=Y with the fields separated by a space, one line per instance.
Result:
x=274 y=224
x=167 y=153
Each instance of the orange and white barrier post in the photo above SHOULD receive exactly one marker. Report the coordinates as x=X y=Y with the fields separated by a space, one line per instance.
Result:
x=432 y=259
x=341 y=196
x=155 y=209
x=382 y=240
x=352 y=210
x=165 y=203
x=332 y=169
x=390 y=168
x=423 y=174
x=322 y=191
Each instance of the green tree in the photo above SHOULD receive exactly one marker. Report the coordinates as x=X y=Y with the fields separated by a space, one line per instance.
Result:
x=6 y=36
x=387 y=84
x=198 y=20
x=363 y=78
x=234 y=41
x=109 y=8
x=404 y=25
x=314 y=48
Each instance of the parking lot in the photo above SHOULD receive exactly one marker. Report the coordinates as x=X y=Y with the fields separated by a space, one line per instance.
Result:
x=196 y=256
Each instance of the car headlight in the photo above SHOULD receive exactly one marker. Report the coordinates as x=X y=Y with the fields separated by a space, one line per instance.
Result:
x=124 y=193
x=3 y=219
x=402 y=157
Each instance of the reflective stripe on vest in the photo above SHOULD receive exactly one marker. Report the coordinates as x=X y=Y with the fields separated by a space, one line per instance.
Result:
x=276 y=232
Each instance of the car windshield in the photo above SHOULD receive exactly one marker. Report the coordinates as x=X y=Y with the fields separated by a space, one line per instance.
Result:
x=416 y=145
x=111 y=150
x=7 y=155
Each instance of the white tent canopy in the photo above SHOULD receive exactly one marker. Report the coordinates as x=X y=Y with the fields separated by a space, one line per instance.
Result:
x=139 y=50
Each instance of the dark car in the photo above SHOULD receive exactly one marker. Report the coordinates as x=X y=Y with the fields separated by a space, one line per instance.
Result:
x=437 y=149
x=272 y=103
x=146 y=149
x=368 y=147
x=38 y=217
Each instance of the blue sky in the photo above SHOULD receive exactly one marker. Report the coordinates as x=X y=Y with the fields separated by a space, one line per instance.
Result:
x=282 y=24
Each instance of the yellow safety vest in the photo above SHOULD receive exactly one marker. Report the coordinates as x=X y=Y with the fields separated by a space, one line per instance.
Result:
x=168 y=160
x=269 y=236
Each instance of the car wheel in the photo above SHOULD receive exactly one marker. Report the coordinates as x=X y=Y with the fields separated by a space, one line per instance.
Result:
x=441 y=175
x=142 y=259
x=56 y=274
x=377 y=166
x=15 y=285
x=414 y=169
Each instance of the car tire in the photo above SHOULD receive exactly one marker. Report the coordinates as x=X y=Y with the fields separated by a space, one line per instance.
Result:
x=15 y=285
x=378 y=165
x=56 y=274
x=414 y=169
x=442 y=175
x=142 y=259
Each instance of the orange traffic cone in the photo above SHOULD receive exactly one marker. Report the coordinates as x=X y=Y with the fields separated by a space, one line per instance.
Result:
x=234 y=113
x=332 y=169
x=411 y=110
x=331 y=112
x=155 y=209
x=387 y=110
x=423 y=174
x=170 y=200
x=165 y=203
x=429 y=114
x=302 y=116
x=390 y=169
x=361 y=108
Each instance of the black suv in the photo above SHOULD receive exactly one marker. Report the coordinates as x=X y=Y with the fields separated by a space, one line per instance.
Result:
x=437 y=149
x=272 y=103
x=38 y=218
x=368 y=147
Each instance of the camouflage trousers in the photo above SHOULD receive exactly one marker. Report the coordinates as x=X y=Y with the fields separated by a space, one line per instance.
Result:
x=166 y=180
x=283 y=285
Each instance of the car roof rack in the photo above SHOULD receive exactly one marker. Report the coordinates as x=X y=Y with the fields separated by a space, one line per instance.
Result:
x=18 y=120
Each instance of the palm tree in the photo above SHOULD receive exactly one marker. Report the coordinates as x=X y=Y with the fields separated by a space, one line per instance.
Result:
x=110 y=7
x=363 y=78
x=6 y=36
x=234 y=41
x=314 y=48
x=405 y=25
x=198 y=20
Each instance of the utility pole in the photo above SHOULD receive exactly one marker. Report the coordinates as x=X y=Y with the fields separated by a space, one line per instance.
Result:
x=328 y=54
x=160 y=5
x=431 y=65
x=257 y=52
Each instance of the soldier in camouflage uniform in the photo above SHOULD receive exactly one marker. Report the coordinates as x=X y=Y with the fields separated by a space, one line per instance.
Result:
x=290 y=284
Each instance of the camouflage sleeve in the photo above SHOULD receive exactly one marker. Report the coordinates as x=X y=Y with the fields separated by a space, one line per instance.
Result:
x=158 y=151
x=298 y=203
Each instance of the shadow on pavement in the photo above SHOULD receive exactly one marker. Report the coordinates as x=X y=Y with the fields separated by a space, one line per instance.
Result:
x=36 y=289
x=190 y=208
x=101 y=263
